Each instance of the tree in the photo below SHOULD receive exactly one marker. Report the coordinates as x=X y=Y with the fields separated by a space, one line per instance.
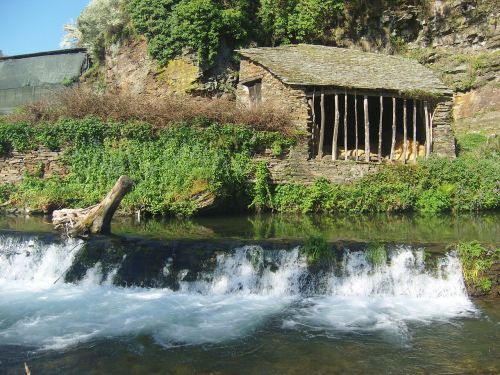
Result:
x=72 y=37
x=100 y=23
x=293 y=21
x=175 y=26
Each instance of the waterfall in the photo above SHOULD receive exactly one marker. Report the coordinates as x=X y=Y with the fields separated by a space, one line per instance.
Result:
x=233 y=294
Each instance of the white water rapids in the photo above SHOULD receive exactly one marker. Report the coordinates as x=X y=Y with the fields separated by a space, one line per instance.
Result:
x=248 y=288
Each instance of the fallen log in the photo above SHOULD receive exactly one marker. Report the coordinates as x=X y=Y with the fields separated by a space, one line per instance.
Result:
x=94 y=219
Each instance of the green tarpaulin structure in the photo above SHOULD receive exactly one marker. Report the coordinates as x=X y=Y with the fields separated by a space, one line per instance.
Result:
x=32 y=77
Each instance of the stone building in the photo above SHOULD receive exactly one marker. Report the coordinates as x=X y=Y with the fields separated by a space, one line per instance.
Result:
x=367 y=108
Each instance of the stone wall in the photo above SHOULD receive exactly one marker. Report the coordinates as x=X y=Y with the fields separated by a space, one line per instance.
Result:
x=274 y=93
x=296 y=167
x=443 y=140
x=43 y=161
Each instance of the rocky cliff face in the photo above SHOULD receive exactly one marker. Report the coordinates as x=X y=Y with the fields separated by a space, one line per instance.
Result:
x=129 y=68
x=460 y=39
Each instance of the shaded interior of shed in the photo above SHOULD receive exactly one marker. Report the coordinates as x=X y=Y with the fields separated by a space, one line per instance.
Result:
x=355 y=110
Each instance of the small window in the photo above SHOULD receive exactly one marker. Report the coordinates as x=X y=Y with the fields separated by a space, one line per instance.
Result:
x=255 y=93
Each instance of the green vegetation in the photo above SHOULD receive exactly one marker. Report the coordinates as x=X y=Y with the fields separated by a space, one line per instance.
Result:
x=478 y=145
x=435 y=185
x=101 y=23
x=317 y=251
x=295 y=21
x=174 y=168
x=376 y=254
x=261 y=191
x=459 y=71
x=183 y=167
x=211 y=28
x=6 y=191
x=173 y=27
x=475 y=260
x=202 y=26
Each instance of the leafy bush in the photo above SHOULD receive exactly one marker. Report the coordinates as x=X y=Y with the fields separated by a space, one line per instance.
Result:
x=292 y=21
x=262 y=193
x=475 y=260
x=173 y=167
x=438 y=200
x=6 y=191
x=101 y=22
x=434 y=185
x=176 y=26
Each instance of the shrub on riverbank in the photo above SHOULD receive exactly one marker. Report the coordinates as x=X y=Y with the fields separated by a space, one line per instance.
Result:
x=174 y=167
x=477 y=260
x=185 y=166
x=434 y=185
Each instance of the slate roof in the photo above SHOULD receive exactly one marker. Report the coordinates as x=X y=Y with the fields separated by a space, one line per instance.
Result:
x=314 y=65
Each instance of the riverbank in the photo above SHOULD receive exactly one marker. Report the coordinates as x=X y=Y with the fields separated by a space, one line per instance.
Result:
x=190 y=168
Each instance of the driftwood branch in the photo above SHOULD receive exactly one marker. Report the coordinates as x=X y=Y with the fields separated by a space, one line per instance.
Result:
x=95 y=219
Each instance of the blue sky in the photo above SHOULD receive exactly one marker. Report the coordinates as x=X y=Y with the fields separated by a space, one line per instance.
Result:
x=35 y=25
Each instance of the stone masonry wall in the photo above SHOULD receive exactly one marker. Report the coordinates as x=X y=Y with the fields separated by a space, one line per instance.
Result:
x=296 y=167
x=443 y=140
x=14 y=166
x=274 y=93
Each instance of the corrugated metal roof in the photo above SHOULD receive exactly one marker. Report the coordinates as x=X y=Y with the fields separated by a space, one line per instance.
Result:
x=315 y=65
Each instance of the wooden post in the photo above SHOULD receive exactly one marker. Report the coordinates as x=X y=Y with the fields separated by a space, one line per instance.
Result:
x=415 y=149
x=310 y=104
x=314 y=129
x=431 y=133
x=427 y=135
x=335 y=128
x=322 y=130
x=405 y=133
x=356 y=122
x=367 y=129
x=393 y=143
x=345 y=127
x=380 y=129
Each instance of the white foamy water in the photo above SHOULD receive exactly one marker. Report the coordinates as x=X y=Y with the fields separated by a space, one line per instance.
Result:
x=387 y=297
x=246 y=288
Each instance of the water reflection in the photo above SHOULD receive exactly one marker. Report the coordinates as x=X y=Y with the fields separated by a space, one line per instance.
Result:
x=406 y=228
x=439 y=229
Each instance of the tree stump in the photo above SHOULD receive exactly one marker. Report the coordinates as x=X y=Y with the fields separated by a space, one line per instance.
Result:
x=95 y=219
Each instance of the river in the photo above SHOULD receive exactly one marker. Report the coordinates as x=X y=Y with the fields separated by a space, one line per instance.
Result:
x=235 y=295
